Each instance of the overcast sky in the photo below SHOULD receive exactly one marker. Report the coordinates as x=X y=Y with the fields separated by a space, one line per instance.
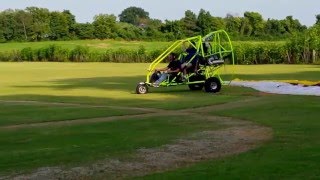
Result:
x=84 y=10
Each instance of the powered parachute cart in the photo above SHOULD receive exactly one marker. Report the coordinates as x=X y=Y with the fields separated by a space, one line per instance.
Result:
x=210 y=53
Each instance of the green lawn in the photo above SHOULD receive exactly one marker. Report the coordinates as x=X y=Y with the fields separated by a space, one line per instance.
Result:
x=107 y=89
x=26 y=113
x=294 y=152
x=25 y=149
x=95 y=83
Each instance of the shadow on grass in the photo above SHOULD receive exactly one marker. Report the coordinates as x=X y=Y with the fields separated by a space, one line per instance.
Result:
x=128 y=84
x=125 y=84
x=175 y=97
x=105 y=83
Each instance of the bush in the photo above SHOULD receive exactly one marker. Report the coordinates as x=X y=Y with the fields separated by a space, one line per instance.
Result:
x=298 y=49
x=79 y=54
x=26 y=54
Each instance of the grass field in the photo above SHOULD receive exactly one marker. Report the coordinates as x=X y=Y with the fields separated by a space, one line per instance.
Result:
x=96 y=45
x=101 y=45
x=76 y=114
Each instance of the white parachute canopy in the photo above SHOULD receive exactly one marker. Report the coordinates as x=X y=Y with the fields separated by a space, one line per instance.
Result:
x=279 y=87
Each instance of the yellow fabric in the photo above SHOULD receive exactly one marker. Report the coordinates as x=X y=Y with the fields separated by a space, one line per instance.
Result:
x=303 y=82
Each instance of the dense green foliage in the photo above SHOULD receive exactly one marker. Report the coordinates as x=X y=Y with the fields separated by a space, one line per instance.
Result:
x=55 y=53
x=36 y=24
x=246 y=52
x=299 y=44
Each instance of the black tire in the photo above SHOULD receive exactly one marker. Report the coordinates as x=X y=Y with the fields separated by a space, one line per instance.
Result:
x=142 y=88
x=212 y=84
x=198 y=86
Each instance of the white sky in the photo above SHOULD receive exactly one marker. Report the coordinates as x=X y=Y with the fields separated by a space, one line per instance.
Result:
x=84 y=10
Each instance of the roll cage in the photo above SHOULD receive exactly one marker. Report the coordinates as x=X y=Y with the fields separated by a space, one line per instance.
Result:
x=213 y=51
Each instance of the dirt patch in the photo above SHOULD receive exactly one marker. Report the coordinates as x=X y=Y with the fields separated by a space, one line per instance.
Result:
x=240 y=136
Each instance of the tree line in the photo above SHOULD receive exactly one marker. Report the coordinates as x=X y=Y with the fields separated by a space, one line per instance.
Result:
x=299 y=44
x=134 y=23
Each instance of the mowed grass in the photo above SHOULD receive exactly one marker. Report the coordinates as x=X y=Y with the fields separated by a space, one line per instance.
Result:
x=294 y=152
x=94 y=83
x=94 y=45
x=294 y=119
x=28 y=148
x=21 y=113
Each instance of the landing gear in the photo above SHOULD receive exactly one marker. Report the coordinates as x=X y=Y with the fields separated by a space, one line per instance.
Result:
x=212 y=84
x=142 y=88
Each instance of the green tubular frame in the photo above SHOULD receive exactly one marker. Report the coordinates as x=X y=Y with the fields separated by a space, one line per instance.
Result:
x=220 y=45
x=217 y=48
x=169 y=50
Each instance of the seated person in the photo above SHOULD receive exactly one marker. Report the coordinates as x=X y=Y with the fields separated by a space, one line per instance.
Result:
x=190 y=61
x=172 y=69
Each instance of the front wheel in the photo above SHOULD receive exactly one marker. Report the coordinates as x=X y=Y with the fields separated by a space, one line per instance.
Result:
x=212 y=84
x=142 y=88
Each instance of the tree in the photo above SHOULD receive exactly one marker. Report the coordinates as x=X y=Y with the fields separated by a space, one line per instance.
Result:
x=172 y=29
x=84 y=30
x=129 y=31
x=256 y=22
x=2 y=28
x=204 y=22
x=71 y=21
x=318 y=19
x=133 y=15
x=217 y=23
x=24 y=19
x=274 y=27
x=40 y=22
x=104 y=26
x=9 y=25
x=293 y=25
x=245 y=28
x=233 y=24
x=152 y=29
x=58 y=26
x=2 y=38
x=189 y=24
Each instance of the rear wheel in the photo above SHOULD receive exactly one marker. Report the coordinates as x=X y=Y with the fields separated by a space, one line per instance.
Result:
x=197 y=86
x=142 y=88
x=212 y=84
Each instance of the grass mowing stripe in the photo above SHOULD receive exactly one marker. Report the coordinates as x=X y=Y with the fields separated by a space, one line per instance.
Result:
x=26 y=114
x=30 y=148
x=293 y=154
